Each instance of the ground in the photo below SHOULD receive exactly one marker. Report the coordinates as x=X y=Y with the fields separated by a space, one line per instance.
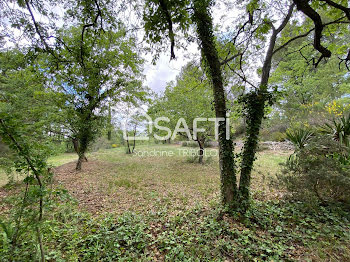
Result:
x=169 y=207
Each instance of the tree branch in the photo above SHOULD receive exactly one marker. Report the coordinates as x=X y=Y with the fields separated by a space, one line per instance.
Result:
x=346 y=10
x=303 y=6
x=163 y=6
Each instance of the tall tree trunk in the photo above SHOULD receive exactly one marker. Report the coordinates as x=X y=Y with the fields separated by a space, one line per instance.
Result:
x=81 y=157
x=256 y=106
x=134 y=142
x=84 y=140
x=254 y=120
x=127 y=143
x=204 y=24
x=75 y=142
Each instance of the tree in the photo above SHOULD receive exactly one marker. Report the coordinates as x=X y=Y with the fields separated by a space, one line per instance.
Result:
x=108 y=71
x=189 y=98
x=306 y=92
x=90 y=60
x=338 y=9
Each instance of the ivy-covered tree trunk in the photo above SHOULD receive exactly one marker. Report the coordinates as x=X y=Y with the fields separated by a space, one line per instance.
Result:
x=255 y=107
x=204 y=24
x=82 y=150
x=85 y=137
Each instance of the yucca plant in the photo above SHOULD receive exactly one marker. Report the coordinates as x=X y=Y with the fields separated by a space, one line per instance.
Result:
x=299 y=137
x=339 y=129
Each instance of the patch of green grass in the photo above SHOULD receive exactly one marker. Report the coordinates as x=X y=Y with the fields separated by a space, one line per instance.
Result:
x=62 y=159
x=3 y=178
x=53 y=161
x=124 y=182
x=159 y=172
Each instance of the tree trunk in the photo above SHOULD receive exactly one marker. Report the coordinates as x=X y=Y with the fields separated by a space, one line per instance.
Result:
x=134 y=144
x=83 y=146
x=204 y=24
x=128 y=145
x=79 y=163
x=75 y=145
x=254 y=121
x=201 y=150
x=109 y=126
x=255 y=115
x=81 y=157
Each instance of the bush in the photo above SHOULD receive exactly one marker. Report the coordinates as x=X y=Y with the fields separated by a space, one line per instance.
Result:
x=278 y=136
x=320 y=170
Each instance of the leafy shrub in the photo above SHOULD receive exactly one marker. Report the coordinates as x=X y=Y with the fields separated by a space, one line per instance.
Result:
x=192 y=158
x=319 y=170
x=278 y=136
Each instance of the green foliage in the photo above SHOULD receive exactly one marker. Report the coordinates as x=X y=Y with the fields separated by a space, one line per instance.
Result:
x=306 y=91
x=254 y=104
x=72 y=235
x=163 y=19
x=319 y=171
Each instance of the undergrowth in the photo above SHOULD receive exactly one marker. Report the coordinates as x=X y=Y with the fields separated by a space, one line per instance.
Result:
x=274 y=230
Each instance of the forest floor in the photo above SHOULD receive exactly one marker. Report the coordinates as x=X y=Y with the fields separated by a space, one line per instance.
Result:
x=177 y=201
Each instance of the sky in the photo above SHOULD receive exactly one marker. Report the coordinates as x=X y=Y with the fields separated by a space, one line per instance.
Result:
x=165 y=70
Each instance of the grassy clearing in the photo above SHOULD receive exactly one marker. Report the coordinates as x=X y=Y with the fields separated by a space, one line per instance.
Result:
x=155 y=175
x=175 y=180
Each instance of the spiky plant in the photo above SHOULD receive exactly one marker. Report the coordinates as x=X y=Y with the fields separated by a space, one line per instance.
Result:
x=339 y=129
x=299 y=137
